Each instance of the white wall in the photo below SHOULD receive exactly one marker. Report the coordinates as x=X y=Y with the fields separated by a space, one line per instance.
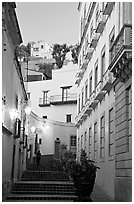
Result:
x=61 y=77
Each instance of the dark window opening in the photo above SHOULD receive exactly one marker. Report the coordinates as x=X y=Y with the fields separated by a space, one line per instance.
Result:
x=44 y=116
x=68 y=118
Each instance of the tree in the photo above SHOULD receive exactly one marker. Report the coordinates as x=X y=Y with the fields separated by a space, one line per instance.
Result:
x=75 y=50
x=46 y=69
x=59 y=54
x=24 y=51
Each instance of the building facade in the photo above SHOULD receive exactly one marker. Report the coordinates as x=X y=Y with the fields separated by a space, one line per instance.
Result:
x=55 y=100
x=103 y=118
x=13 y=101
x=41 y=49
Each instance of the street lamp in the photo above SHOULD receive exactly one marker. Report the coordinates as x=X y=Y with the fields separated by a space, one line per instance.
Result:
x=14 y=114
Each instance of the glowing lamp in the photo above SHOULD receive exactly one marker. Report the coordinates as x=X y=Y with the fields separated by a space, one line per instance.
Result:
x=33 y=129
x=27 y=110
x=14 y=114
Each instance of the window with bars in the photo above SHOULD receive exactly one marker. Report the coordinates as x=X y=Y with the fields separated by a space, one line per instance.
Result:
x=129 y=116
x=81 y=142
x=79 y=104
x=85 y=141
x=86 y=91
x=97 y=14
x=90 y=85
x=111 y=132
x=91 y=30
x=96 y=74
x=65 y=93
x=82 y=98
x=111 y=41
x=95 y=141
x=73 y=141
x=45 y=97
x=103 y=59
x=102 y=137
x=90 y=144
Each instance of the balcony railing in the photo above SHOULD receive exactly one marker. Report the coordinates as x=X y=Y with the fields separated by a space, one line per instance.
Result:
x=108 y=8
x=89 y=52
x=100 y=22
x=93 y=103
x=59 y=99
x=94 y=39
x=99 y=93
x=44 y=102
x=107 y=80
x=121 y=54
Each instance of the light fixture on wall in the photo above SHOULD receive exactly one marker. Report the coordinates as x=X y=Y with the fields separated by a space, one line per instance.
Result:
x=27 y=110
x=33 y=129
x=14 y=114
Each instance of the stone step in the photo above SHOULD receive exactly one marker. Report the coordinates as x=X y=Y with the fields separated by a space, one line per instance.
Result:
x=16 y=197
x=44 y=192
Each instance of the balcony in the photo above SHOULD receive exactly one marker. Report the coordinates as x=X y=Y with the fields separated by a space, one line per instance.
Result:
x=121 y=54
x=60 y=100
x=94 y=39
x=78 y=81
x=84 y=65
x=100 y=23
x=44 y=102
x=108 y=8
x=89 y=52
x=88 y=109
x=93 y=103
x=99 y=93
x=78 y=120
x=107 y=81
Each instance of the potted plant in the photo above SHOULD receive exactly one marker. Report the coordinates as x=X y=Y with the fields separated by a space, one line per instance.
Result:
x=84 y=177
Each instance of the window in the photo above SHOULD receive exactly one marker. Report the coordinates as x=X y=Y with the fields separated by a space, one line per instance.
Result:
x=111 y=131
x=44 y=116
x=28 y=96
x=68 y=118
x=90 y=144
x=111 y=41
x=85 y=11
x=81 y=142
x=95 y=141
x=86 y=91
x=85 y=141
x=82 y=98
x=86 y=42
x=41 y=46
x=102 y=137
x=45 y=97
x=16 y=102
x=36 y=49
x=129 y=116
x=65 y=93
x=79 y=104
x=90 y=85
x=40 y=140
x=73 y=141
x=97 y=14
x=96 y=74
x=91 y=30
x=103 y=56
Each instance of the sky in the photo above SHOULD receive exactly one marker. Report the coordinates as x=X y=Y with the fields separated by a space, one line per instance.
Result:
x=53 y=22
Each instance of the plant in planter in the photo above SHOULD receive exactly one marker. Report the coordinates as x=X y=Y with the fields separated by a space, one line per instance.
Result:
x=84 y=177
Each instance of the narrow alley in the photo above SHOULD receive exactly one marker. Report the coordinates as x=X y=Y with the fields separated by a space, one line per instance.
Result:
x=67 y=101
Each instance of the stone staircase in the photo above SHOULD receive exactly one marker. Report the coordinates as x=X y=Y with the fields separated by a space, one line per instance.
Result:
x=43 y=186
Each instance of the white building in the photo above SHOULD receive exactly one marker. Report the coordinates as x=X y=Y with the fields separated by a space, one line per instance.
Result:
x=41 y=49
x=105 y=42
x=13 y=101
x=55 y=100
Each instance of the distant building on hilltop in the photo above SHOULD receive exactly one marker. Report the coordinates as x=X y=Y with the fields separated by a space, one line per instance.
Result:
x=41 y=49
